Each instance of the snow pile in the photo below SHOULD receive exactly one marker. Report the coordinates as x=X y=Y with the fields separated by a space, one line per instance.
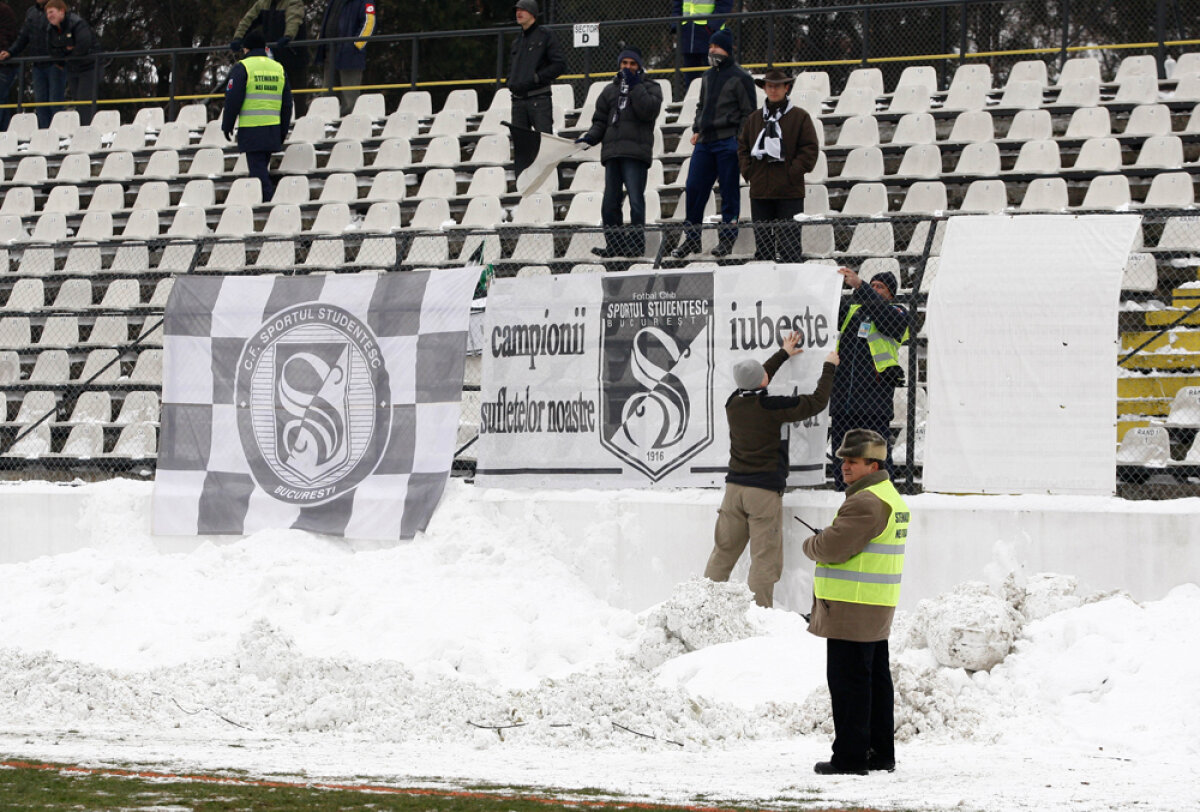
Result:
x=698 y=614
x=967 y=628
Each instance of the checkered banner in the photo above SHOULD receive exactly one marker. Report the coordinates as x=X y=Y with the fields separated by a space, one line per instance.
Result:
x=324 y=403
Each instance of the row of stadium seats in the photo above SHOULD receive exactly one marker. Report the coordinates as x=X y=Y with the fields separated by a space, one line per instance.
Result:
x=56 y=367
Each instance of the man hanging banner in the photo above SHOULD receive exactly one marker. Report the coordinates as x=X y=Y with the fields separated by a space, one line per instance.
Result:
x=620 y=380
x=327 y=403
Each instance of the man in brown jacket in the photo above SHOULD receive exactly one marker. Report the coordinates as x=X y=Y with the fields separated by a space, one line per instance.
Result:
x=860 y=558
x=777 y=147
x=752 y=510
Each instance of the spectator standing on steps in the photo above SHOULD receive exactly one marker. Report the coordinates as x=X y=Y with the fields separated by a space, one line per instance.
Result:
x=856 y=586
x=727 y=97
x=9 y=30
x=777 y=147
x=70 y=39
x=49 y=79
x=624 y=124
x=536 y=62
x=871 y=329
x=752 y=510
x=694 y=32
x=259 y=101
x=280 y=22
x=345 y=61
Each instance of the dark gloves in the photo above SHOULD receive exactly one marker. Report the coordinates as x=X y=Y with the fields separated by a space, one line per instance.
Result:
x=235 y=46
x=630 y=77
x=282 y=42
x=228 y=134
x=583 y=139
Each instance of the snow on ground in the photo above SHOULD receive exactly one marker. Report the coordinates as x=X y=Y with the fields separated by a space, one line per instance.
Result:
x=478 y=653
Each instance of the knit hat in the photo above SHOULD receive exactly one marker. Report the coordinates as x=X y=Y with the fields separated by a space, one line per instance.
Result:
x=630 y=53
x=254 y=40
x=723 y=39
x=888 y=278
x=748 y=374
x=864 y=443
x=527 y=5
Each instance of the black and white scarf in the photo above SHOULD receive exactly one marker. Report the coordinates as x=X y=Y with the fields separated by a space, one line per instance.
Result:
x=768 y=146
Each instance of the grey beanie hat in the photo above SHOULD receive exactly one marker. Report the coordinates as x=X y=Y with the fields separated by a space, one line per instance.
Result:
x=864 y=443
x=748 y=374
x=527 y=5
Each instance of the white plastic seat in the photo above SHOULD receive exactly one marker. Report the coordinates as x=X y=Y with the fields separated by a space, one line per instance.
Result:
x=83 y=258
x=1141 y=273
x=866 y=200
x=197 y=192
x=387 y=185
x=244 y=192
x=1039 y=157
x=815 y=81
x=31 y=171
x=1045 y=194
x=1185 y=408
x=1137 y=90
x=966 y=95
x=531 y=271
x=1029 y=70
x=122 y=294
x=1089 y=122
x=51 y=226
x=873 y=239
x=1078 y=93
x=354 y=127
x=51 y=366
x=867 y=78
x=207 y=162
x=26 y=294
x=345 y=156
x=1170 y=190
x=1080 y=67
x=212 y=136
x=230 y=254
x=492 y=149
x=10 y=367
x=284 y=220
x=370 y=105
x=86 y=139
x=12 y=229
x=129 y=138
x=582 y=242
x=1022 y=95
x=189 y=221
x=92 y=407
x=153 y=194
x=921 y=161
x=464 y=99
x=915 y=128
x=584 y=209
x=925 y=197
x=15 y=332
x=431 y=214
x=1180 y=234
x=1149 y=119
x=808 y=100
x=23 y=125
x=59 y=331
x=18 y=200
x=192 y=116
x=137 y=441
x=1161 y=151
x=327 y=108
x=438 y=183
x=449 y=122
x=589 y=177
x=536 y=209
x=982 y=158
x=85 y=441
x=109 y=331
x=95 y=225
x=74 y=168
x=43 y=142
x=862 y=163
x=147 y=368
x=533 y=247
x=101 y=366
x=383 y=217
x=488 y=180
x=65 y=199
x=307 y=130
x=985 y=196
x=497 y=113
x=65 y=122
x=152 y=118
x=428 y=249
x=443 y=150
x=401 y=124
x=73 y=294
x=909 y=98
x=483 y=212
x=853 y=102
x=31 y=442
x=339 y=187
x=1187 y=65
x=298 y=159
x=393 y=153
x=859 y=131
x=1107 y=192
x=291 y=189
x=173 y=135
x=138 y=407
x=1145 y=447
x=1099 y=155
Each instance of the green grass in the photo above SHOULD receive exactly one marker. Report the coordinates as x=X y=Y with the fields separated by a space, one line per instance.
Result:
x=61 y=787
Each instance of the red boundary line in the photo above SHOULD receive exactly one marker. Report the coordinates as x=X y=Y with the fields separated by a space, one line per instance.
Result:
x=386 y=790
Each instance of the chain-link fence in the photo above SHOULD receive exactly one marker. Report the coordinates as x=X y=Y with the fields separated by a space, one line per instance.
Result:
x=81 y=310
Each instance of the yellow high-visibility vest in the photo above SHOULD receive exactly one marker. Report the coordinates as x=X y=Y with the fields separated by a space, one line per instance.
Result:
x=872 y=576
x=264 y=92
x=885 y=350
x=691 y=9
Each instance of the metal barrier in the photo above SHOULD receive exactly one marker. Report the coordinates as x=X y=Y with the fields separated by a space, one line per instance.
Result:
x=80 y=323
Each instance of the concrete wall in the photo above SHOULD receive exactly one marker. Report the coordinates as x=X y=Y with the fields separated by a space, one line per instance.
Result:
x=632 y=547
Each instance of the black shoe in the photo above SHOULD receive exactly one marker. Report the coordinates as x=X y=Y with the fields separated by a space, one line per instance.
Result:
x=879 y=764
x=829 y=768
x=604 y=252
x=722 y=249
x=686 y=248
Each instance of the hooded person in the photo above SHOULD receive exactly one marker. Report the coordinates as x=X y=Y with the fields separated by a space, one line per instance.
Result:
x=727 y=97
x=258 y=100
x=752 y=508
x=777 y=147
x=623 y=124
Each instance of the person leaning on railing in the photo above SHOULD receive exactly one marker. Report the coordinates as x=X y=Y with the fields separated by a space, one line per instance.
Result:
x=70 y=38
x=777 y=146
x=8 y=73
x=49 y=80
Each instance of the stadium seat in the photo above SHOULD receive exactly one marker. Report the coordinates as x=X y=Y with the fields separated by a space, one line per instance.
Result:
x=1107 y=192
x=197 y=192
x=1137 y=90
x=345 y=156
x=371 y=105
x=426 y=250
x=31 y=442
x=324 y=107
x=1030 y=70
x=921 y=161
x=74 y=168
x=298 y=159
x=136 y=441
x=147 y=368
x=431 y=214
x=981 y=158
x=874 y=239
x=870 y=79
x=1077 y=68
x=966 y=95
x=1078 y=93
x=141 y=224
x=862 y=163
x=50 y=227
x=15 y=332
x=909 y=98
x=283 y=221
x=1146 y=447
x=1185 y=408
x=387 y=185
x=442 y=150
x=73 y=294
x=23 y=125
x=153 y=194
x=1161 y=152
x=174 y=136
x=244 y=192
x=291 y=189
x=59 y=331
x=109 y=331
x=207 y=162
x=65 y=198
x=1171 y=190
x=1148 y=120
x=138 y=407
x=810 y=101
x=85 y=139
x=584 y=209
x=10 y=367
x=1030 y=125
x=492 y=149
x=985 y=197
x=85 y=441
x=925 y=197
x=101 y=366
x=18 y=200
x=307 y=130
x=915 y=128
x=230 y=254
x=192 y=116
x=1099 y=155
x=1143 y=65
x=535 y=209
x=488 y=180
x=107 y=197
x=816 y=199
x=212 y=135
x=1180 y=234
x=449 y=122
x=866 y=200
x=92 y=407
x=438 y=183
x=1188 y=65
x=51 y=366
x=859 y=131
x=65 y=122
x=1141 y=273
x=26 y=294
x=43 y=142
x=1022 y=96
x=393 y=153
x=121 y=294
x=589 y=177
x=1039 y=157
x=419 y=102
x=354 y=127
x=1089 y=122
x=95 y=225
x=853 y=102
x=815 y=81
x=1045 y=194
x=151 y=118
x=129 y=138
x=12 y=229
x=31 y=170
x=339 y=187
x=401 y=124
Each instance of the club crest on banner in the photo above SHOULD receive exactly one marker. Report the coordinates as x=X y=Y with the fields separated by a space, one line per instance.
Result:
x=656 y=370
x=313 y=403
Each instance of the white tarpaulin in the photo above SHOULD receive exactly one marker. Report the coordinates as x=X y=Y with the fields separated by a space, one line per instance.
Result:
x=1023 y=341
x=620 y=380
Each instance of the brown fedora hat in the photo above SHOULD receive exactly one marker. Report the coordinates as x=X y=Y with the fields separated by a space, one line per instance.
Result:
x=774 y=77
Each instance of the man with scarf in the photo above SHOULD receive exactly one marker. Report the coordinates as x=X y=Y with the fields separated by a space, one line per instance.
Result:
x=727 y=97
x=777 y=146
x=624 y=124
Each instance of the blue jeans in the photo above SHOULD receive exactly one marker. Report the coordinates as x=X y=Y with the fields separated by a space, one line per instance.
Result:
x=49 y=85
x=624 y=176
x=714 y=161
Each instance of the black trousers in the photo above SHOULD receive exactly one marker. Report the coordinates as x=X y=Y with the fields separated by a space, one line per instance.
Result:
x=531 y=113
x=258 y=165
x=776 y=241
x=860 y=686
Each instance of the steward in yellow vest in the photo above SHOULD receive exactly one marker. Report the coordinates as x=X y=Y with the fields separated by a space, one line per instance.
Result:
x=859 y=564
x=258 y=100
x=705 y=17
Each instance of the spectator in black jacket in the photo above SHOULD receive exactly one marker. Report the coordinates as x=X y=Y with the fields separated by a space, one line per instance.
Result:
x=8 y=73
x=70 y=39
x=49 y=80
x=536 y=62
x=624 y=123
x=872 y=328
x=258 y=100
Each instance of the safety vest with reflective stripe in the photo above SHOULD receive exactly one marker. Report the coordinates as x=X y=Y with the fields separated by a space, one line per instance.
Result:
x=264 y=92
x=697 y=9
x=885 y=350
x=872 y=576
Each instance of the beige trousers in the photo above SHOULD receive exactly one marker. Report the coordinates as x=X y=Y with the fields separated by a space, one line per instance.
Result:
x=754 y=515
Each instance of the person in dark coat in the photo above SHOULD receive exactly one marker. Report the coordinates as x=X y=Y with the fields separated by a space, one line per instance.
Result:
x=8 y=73
x=626 y=111
x=69 y=38
x=346 y=61
x=694 y=33
x=279 y=22
x=258 y=100
x=872 y=328
x=49 y=79
x=727 y=97
x=536 y=62
x=776 y=148
x=752 y=510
